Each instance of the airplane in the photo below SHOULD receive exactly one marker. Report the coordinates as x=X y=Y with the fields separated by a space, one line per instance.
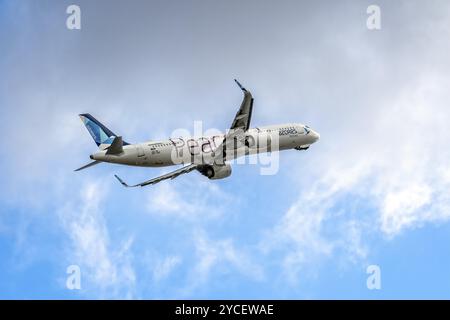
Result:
x=208 y=155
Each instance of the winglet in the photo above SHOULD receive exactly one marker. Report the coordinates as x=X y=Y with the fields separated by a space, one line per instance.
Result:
x=240 y=86
x=121 y=181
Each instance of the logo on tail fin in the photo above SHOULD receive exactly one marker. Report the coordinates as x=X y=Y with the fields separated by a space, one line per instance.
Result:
x=100 y=133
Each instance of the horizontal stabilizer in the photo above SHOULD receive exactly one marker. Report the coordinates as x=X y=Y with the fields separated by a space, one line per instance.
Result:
x=88 y=165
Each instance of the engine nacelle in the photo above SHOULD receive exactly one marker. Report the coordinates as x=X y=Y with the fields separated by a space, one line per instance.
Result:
x=215 y=172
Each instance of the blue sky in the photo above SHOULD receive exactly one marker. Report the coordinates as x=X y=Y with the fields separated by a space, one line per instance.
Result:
x=372 y=191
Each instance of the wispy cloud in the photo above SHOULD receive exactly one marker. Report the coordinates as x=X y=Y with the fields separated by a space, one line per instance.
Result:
x=215 y=257
x=379 y=100
x=106 y=271
x=181 y=200
x=391 y=181
x=165 y=266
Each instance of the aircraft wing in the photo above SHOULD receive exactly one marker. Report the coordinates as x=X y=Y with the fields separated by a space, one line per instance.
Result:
x=241 y=123
x=244 y=114
x=170 y=175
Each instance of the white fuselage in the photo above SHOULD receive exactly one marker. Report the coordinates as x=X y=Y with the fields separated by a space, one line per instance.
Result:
x=201 y=150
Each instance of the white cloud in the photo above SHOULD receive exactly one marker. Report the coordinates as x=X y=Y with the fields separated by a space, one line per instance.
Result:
x=408 y=183
x=381 y=100
x=166 y=199
x=219 y=256
x=400 y=209
x=181 y=199
x=303 y=238
x=391 y=177
x=165 y=266
x=105 y=272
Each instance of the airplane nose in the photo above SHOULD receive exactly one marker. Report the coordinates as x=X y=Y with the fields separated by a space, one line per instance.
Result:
x=316 y=136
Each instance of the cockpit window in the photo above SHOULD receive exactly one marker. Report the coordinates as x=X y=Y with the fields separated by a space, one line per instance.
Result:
x=307 y=129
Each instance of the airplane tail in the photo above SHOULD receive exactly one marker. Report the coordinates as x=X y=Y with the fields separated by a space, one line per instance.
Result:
x=102 y=136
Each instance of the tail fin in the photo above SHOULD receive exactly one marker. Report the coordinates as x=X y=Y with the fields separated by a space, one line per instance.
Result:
x=101 y=134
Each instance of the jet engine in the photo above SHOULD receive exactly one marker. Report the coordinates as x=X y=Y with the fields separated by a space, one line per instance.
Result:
x=215 y=172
